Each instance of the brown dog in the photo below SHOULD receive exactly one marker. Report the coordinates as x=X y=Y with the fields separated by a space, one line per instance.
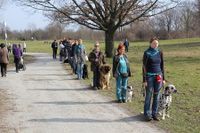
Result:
x=105 y=76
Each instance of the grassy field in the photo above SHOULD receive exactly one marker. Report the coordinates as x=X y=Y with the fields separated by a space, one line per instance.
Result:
x=182 y=66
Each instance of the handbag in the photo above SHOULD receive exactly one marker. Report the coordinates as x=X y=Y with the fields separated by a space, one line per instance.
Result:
x=124 y=75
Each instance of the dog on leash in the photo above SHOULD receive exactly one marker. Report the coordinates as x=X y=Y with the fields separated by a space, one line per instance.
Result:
x=105 y=76
x=129 y=93
x=165 y=100
x=85 y=71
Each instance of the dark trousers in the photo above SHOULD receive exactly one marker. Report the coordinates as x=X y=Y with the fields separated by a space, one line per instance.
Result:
x=24 y=50
x=126 y=48
x=54 y=53
x=96 y=77
x=3 y=69
x=17 y=60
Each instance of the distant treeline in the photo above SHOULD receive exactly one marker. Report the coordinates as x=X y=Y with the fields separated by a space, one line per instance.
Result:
x=181 y=22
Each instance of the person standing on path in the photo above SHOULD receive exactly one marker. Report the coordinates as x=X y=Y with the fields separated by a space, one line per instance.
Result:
x=153 y=78
x=62 y=50
x=121 y=72
x=80 y=54
x=17 y=52
x=4 y=59
x=54 y=47
x=97 y=58
x=24 y=47
x=75 y=43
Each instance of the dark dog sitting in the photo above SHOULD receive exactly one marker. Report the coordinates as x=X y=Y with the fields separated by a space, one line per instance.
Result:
x=85 y=71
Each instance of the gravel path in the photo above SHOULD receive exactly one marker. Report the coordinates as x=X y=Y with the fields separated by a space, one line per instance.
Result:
x=47 y=99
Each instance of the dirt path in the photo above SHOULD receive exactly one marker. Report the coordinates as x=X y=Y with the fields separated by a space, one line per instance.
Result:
x=47 y=99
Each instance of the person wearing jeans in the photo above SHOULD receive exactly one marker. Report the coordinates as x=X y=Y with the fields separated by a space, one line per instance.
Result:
x=121 y=72
x=80 y=58
x=153 y=78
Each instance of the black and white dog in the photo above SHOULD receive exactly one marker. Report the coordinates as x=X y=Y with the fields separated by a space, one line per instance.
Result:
x=129 y=93
x=165 y=100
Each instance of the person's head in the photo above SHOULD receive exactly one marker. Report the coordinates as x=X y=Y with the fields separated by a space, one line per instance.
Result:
x=2 y=45
x=97 y=46
x=80 y=41
x=154 y=42
x=121 y=49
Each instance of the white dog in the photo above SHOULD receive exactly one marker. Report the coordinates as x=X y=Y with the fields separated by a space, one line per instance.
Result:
x=165 y=100
x=129 y=94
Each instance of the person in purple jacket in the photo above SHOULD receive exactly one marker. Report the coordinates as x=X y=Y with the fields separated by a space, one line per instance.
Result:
x=17 y=52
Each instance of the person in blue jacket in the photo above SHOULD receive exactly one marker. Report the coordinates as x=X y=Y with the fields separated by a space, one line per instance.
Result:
x=80 y=54
x=121 y=72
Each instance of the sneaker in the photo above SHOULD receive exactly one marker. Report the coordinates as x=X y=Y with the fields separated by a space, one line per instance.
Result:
x=95 y=88
x=148 y=118
x=124 y=101
x=156 y=118
x=119 y=101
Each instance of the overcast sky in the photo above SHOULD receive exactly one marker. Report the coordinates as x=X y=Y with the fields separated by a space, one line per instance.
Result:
x=20 y=18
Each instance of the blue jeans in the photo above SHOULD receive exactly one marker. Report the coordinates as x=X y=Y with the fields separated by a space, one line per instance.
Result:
x=121 y=86
x=153 y=87
x=79 y=70
x=96 y=77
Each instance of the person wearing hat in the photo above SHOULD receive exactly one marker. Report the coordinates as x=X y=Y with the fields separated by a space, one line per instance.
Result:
x=121 y=72
x=4 y=59
x=97 y=58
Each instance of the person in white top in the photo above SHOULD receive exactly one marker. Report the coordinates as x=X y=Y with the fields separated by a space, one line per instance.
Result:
x=24 y=47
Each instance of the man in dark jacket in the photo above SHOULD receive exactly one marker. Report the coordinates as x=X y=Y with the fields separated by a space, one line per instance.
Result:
x=54 y=47
x=97 y=58
x=126 y=44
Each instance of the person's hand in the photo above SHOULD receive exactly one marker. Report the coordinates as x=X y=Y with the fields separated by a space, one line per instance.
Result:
x=115 y=75
x=164 y=82
x=145 y=84
x=96 y=60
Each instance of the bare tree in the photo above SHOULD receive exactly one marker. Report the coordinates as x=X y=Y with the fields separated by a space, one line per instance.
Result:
x=187 y=17
x=1 y=3
x=104 y=15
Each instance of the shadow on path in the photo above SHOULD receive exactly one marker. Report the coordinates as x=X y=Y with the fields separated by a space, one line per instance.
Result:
x=89 y=120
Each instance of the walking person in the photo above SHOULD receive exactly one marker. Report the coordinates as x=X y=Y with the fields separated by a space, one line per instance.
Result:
x=9 y=47
x=4 y=59
x=24 y=47
x=17 y=53
x=80 y=58
x=126 y=44
x=54 y=47
x=97 y=58
x=153 y=78
x=121 y=72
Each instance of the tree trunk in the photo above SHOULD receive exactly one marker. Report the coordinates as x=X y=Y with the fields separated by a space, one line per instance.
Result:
x=109 y=43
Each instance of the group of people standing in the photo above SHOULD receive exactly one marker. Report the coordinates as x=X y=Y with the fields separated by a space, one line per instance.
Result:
x=17 y=51
x=72 y=52
x=153 y=69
